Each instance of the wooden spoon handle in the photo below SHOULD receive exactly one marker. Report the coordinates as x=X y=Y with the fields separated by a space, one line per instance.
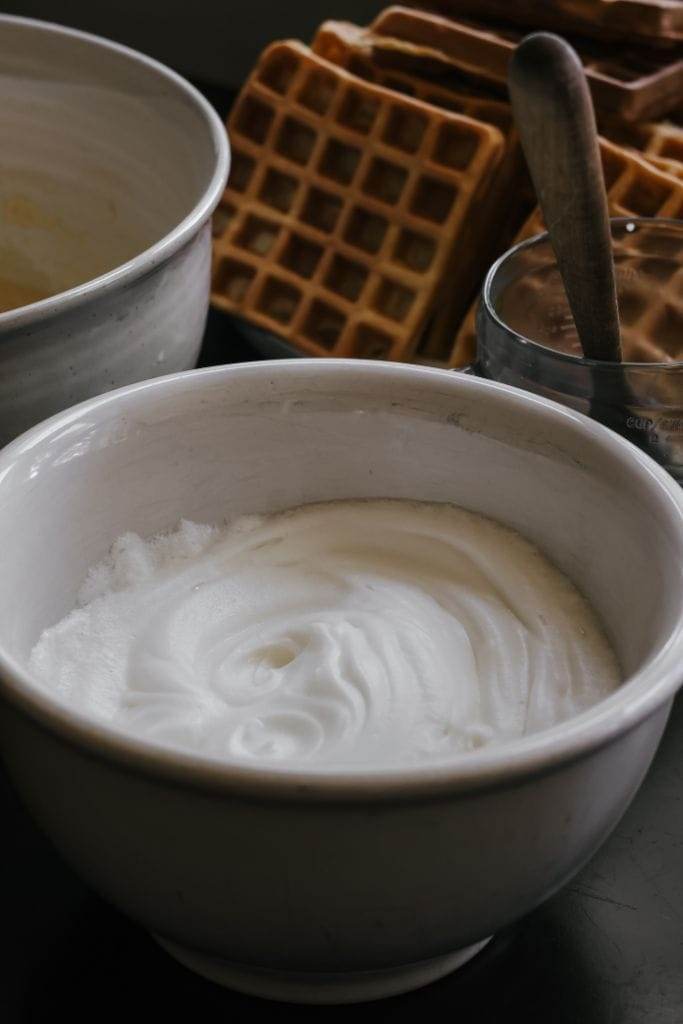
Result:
x=556 y=122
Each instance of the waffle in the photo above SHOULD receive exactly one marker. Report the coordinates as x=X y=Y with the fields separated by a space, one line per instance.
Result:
x=653 y=331
x=347 y=44
x=502 y=207
x=356 y=49
x=343 y=206
x=634 y=189
x=660 y=143
x=650 y=22
x=643 y=87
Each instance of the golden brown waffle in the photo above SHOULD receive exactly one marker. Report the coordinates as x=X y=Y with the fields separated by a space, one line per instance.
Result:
x=650 y=22
x=502 y=207
x=397 y=56
x=641 y=88
x=660 y=143
x=354 y=48
x=634 y=189
x=343 y=206
x=672 y=167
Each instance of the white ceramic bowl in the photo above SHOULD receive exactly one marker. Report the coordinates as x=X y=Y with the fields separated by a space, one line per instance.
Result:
x=329 y=885
x=110 y=168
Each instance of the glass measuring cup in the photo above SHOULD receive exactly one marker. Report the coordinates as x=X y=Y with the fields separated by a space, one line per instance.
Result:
x=526 y=335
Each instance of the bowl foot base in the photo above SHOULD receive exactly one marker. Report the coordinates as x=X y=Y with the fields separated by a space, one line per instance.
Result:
x=316 y=986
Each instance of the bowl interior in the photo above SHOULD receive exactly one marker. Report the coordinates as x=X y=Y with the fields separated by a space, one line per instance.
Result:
x=213 y=444
x=103 y=154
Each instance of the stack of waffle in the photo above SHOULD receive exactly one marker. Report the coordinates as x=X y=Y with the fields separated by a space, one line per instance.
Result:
x=377 y=173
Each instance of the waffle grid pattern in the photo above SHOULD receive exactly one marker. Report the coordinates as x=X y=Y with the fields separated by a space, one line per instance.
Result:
x=660 y=143
x=503 y=205
x=343 y=205
x=634 y=189
x=653 y=331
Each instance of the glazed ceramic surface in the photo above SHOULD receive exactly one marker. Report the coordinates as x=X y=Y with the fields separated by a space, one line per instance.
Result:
x=333 y=886
x=110 y=168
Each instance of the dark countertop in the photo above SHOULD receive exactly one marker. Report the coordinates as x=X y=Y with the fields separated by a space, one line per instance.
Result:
x=607 y=950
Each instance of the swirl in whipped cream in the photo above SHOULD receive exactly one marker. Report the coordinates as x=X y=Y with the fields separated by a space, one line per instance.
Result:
x=346 y=632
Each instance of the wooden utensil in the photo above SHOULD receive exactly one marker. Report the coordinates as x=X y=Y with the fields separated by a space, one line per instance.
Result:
x=556 y=122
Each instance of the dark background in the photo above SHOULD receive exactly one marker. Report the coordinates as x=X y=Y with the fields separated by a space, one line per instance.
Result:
x=216 y=41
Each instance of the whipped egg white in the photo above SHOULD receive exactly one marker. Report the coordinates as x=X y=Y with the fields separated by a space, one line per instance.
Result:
x=349 y=632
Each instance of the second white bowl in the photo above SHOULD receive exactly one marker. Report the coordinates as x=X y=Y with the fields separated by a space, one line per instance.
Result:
x=110 y=168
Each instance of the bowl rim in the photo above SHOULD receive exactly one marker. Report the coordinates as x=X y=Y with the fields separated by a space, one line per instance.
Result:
x=639 y=697
x=173 y=240
x=488 y=308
